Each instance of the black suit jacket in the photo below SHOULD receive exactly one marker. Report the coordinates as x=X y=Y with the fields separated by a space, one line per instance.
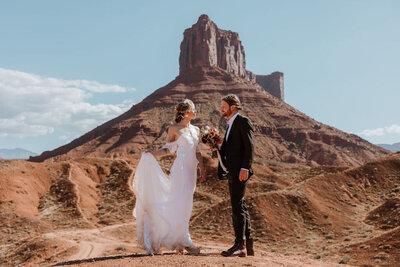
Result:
x=237 y=152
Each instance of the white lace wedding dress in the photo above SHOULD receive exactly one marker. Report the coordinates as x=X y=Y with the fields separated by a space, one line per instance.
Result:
x=164 y=205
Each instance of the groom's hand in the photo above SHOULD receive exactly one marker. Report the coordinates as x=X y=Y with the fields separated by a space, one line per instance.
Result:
x=202 y=176
x=243 y=175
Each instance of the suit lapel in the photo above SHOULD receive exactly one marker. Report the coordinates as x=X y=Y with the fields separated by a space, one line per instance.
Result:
x=235 y=122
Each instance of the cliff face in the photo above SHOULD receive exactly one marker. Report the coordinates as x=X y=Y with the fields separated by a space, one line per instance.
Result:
x=272 y=83
x=212 y=64
x=204 y=45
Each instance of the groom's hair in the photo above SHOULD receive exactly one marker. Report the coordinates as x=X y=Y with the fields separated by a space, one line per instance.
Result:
x=232 y=100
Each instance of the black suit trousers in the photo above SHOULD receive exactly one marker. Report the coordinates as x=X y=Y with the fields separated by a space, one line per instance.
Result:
x=240 y=213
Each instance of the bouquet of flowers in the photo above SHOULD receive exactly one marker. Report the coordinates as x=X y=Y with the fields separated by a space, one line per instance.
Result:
x=212 y=138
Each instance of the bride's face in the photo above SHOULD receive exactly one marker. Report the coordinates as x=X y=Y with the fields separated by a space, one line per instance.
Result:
x=191 y=113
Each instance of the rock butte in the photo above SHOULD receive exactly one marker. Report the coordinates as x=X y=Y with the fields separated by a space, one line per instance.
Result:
x=212 y=64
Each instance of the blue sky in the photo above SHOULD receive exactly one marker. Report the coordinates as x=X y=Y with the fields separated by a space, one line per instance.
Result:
x=68 y=66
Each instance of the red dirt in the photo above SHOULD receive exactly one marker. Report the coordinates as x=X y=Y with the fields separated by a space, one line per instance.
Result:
x=80 y=209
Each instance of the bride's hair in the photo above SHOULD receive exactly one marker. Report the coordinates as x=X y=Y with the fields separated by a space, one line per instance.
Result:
x=181 y=108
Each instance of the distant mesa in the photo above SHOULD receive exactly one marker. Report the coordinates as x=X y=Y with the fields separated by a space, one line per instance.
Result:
x=393 y=147
x=16 y=153
x=205 y=45
x=211 y=65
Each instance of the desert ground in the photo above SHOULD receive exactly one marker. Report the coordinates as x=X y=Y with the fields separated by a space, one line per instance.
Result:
x=79 y=213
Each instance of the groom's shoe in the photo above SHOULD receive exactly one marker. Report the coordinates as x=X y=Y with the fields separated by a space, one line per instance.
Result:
x=249 y=247
x=236 y=250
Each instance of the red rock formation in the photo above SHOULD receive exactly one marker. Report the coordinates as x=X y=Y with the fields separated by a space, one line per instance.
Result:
x=204 y=45
x=272 y=83
x=283 y=134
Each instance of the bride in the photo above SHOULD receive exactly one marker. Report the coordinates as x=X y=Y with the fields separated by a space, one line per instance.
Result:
x=164 y=205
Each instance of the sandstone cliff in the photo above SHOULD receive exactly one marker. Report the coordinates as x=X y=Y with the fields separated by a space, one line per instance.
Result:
x=282 y=133
x=205 y=45
x=272 y=83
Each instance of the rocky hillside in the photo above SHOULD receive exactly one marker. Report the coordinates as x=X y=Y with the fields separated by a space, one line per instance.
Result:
x=301 y=216
x=207 y=72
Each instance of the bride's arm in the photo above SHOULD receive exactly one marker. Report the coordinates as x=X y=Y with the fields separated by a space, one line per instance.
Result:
x=159 y=153
x=164 y=151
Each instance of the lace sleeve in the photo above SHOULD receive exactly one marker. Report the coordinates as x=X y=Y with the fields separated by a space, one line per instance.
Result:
x=171 y=146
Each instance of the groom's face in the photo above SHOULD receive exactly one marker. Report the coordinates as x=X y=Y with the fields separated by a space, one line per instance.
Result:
x=226 y=110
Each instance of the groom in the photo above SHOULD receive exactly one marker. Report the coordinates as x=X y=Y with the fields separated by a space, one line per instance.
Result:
x=237 y=155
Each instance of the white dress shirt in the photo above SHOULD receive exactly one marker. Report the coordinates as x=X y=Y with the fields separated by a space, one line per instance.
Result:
x=230 y=122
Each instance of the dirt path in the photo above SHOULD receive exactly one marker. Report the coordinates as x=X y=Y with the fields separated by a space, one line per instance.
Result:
x=98 y=245
x=209 y=257
x=89 y=243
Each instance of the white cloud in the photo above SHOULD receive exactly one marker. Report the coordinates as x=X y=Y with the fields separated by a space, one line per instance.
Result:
x=393 y=129
x=18 y=127
x=32 y=105
x=373 y=132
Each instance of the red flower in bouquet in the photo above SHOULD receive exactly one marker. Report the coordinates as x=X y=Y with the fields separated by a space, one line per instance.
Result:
x=212 y=138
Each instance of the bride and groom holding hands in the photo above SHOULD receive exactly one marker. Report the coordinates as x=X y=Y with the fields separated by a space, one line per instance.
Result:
x=164 y=205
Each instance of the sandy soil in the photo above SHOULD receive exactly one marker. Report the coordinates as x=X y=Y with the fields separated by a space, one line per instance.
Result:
x=80 y=212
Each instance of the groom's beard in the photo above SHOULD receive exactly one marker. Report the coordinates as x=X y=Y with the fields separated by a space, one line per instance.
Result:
x=227 y=113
